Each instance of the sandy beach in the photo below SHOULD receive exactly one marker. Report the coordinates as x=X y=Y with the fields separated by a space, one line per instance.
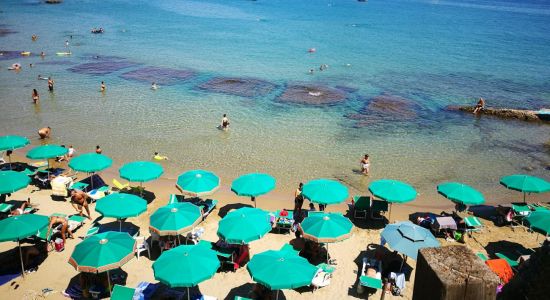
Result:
x=55 y=272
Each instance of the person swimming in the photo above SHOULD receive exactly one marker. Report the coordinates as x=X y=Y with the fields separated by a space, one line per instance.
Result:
x=157 y=156
x=103 y=87
x=154 y=86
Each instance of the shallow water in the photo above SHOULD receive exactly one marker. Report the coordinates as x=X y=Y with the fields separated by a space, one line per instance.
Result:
x=431 y=53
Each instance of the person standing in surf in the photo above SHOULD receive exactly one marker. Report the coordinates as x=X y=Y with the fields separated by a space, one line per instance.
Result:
x=225 y=122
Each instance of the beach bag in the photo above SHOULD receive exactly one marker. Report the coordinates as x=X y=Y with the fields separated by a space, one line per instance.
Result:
x=59 y=245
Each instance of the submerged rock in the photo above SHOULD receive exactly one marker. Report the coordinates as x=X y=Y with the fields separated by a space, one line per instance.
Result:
x=7 y=55
x=312 y=95
x=505 y=113
x=5 y=31
x=161 y=76
x=244 y=87
x=101 y=67
x=384 y=108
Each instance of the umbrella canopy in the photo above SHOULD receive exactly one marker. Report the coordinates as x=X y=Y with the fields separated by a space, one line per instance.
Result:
x=326 y=227
x=103 y=252
x=121 y=205
x=244 y=225
x=325 y=191
x=90 y=162
x=198 y=183
x=141 y=171
x=46 y=151
x=12 y=142
x=540 y=221
x=186 y=265
x=253 y=184
x=393 y=191
x=407 y=238
x=11 y=181
x=19 y=227
x=525 y=184
x=460 y=193
x=175 y=218
x=281 y=269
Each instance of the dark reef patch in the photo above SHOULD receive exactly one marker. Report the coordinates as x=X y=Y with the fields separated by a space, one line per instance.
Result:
x=7 y=55
x=310 y=94
x=161 y=76
x=5 y=31
x=244 y=87
x=102 y=67
x=386 y=108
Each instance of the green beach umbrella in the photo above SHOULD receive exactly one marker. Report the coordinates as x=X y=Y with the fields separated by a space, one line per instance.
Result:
x=460 y=193
x=407 y=238
x=540 y=221
x=244 y=225
x=175 y=218
x=198 y=183
x=392 y=191
x=186 y=266
x=141 y=171
x=11 y=181
x=121 y=206
x=12 y=142
x=253 y=185
x=325 y=191
x=525 y=184
x=326 y=228
x=90 y=162
x=18 y=227
x=103 y=252
x=46 y=152
x=281 y=270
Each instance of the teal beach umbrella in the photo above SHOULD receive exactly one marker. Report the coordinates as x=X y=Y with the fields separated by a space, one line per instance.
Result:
x=392 y=191
x=407 y=238
x=18 y=227
x=46 y=152
x=539 y=221
x=103 y=252
x=253 y=185
x=326 y=228
x=12 y=142
x=281 y=270
x=11 y=181
x=525 y=184
x=198 y=183
x=460 y=193
x=186 y=266
x=325 y=191
x=141 y=171
x=121 y=206
x=90 y=162
x=244 y=225
x=175 y=218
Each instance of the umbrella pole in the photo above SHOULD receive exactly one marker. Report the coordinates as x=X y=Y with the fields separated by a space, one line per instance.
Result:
x=524 y=197
x=9 y=158
x=389 y=215
x=327 y=254
x=141 y=189
x=21 y=257
x=402 y=263
x=277 y=297
x=188 y=296
x=120 y=225
x=109 y=282
x=179 y=242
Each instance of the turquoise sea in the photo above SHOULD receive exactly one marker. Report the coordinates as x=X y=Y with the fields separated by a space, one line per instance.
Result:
x=424 y=55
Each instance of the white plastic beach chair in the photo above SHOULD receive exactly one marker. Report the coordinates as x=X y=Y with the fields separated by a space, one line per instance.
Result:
x=195 y=235
x=141 y=246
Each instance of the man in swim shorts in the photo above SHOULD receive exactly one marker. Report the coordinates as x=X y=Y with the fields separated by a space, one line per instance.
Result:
x=50 y=84
x=79 y=200
x=44 y=132
x=365 y=164
x=225 y=122
x=54 y=220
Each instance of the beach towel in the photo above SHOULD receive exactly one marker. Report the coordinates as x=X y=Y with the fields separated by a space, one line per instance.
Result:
x=501 y=268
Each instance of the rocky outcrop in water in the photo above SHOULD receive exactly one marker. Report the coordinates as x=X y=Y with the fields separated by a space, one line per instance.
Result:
x=312 y=95
x=102 y=67
x=386 y=107
x=244 y=87
x=505 y=113
x=161 y=76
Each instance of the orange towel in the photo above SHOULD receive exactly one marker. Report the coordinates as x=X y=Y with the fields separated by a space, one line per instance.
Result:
x=501 y=268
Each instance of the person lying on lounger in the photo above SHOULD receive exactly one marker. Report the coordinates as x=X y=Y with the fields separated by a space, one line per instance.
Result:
x=79 y=200
x=21 y=209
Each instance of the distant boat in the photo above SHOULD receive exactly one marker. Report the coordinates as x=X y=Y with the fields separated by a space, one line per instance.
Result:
x=543 y=114
x=54 y=1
